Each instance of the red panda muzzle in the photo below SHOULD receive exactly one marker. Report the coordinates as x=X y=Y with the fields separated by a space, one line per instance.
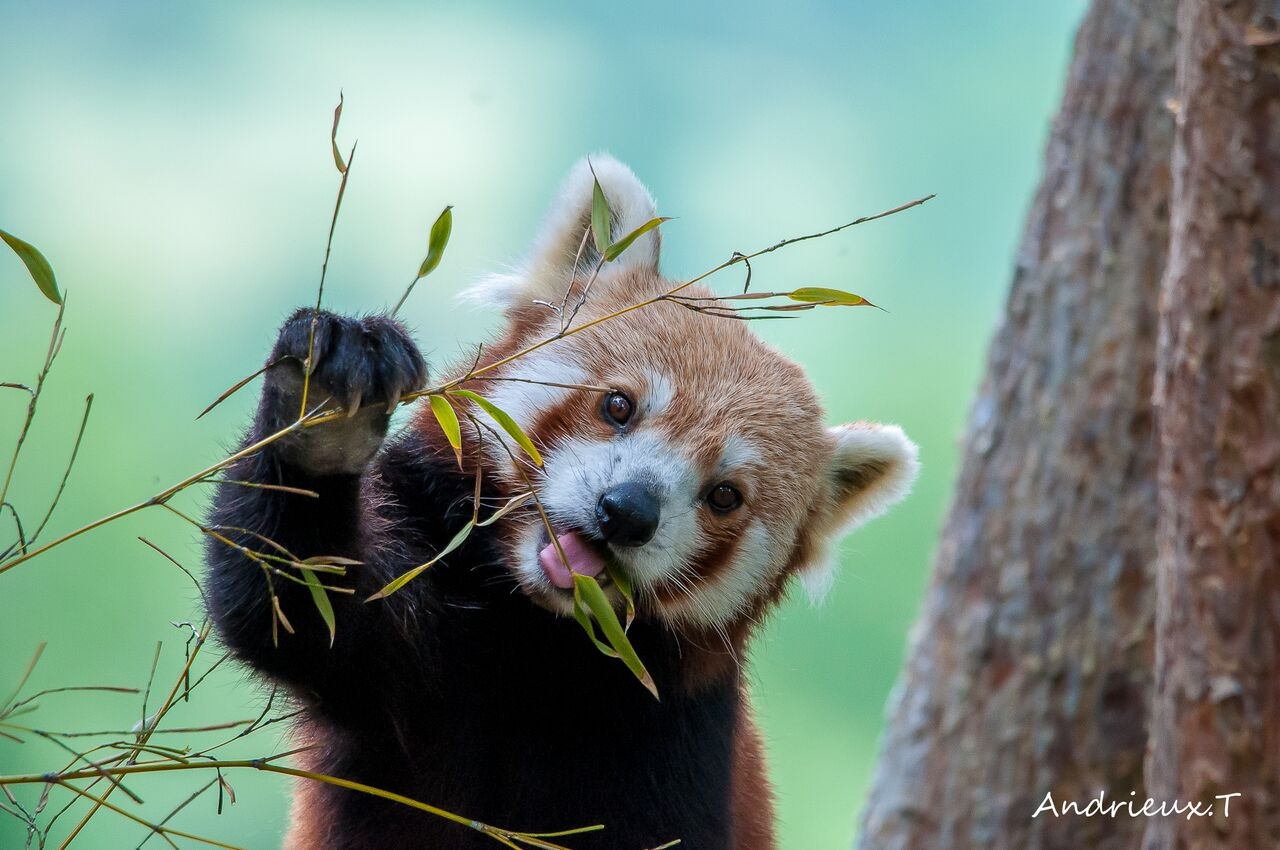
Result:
x=628 y=514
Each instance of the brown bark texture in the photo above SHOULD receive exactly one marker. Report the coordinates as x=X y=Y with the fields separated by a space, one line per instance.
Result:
x=1030 y=668
x=1216 y=712
x=1108 y=582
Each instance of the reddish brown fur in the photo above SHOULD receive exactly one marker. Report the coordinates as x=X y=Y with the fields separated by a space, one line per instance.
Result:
x=310 y=816
x=752 y=793
x=714 y=405
x=728 y=382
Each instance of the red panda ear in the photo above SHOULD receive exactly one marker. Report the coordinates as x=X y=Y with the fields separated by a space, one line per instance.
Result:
x=550 y=263
x=871 y=469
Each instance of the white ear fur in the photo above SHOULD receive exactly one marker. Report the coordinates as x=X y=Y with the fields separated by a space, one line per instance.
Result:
x=546 y=270
x=872 y=468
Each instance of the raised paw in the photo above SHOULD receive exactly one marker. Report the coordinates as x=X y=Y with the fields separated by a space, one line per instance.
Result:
x=356 y=361
x=363 y=365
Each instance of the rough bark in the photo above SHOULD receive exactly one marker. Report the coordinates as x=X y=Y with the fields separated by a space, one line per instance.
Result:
x=1029 y=671
x=1216 y=721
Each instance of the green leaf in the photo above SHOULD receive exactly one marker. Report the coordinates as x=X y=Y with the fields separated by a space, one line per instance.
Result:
x=333 y=137
x=583 y=616
x=747 y=296
x=323 y=605
x=515 y=502
x=331 y=561
x=623 y=583
x=37 y=265
x=328 y=564
x=436 y=242
x=834 y=297
x=791 y=308
x=587 y=592
x=448 y=419
x=319 y=568
x=508 y=424
x=284 y=621
x=404 y=578
x=600 y=216
x=615 y=250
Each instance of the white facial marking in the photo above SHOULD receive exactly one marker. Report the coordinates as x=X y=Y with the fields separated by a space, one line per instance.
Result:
x=659 y=393
x=577 y=473
x=725 y=596
x=525 y=398
x=737 y=452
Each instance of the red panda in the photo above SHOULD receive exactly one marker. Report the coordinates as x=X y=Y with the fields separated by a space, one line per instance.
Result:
x=679 y=449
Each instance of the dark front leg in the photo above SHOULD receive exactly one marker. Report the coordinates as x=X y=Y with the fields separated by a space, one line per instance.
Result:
x=363 y=365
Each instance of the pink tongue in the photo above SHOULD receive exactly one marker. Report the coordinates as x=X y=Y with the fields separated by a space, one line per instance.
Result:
x=581 y=557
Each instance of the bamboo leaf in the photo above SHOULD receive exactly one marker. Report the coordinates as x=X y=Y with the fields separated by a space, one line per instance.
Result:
x=448 y=420
x=600 y=216
x=37 y=265
x=587 y=592
x=623 y=583
x=327 y=564
x=503 y=419
x=437 y=241
x=512 y=504
x=321 y=599
x=320 y=568
x=403 y=579
x=790 y=308
x=745 y=296
x=583 y=616
x=331 y=561
x=333 y=137
x=834 y=297
x=615 y=250
x=284 y=621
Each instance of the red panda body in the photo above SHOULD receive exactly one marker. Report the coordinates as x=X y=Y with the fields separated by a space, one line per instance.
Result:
x=679 y=450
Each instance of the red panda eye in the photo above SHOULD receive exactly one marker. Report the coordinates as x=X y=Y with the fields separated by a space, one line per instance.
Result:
x=724 y=498
x=618 y=408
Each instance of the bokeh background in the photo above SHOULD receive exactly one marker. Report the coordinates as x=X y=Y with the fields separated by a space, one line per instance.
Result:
x=172 y=161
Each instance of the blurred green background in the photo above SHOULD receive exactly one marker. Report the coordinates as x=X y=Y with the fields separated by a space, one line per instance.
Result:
x=172 y=161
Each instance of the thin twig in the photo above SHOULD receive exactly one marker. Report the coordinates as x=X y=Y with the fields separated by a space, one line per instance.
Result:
x=310 y=364
x=55 y=345
x=243 y=382
x=178 y=808
x=186 y=571
x=19 y=545
x=735 y=259
x=267 y=765
x=145 y=735
x=62 y=485
x=314 y=418
x=22 y=681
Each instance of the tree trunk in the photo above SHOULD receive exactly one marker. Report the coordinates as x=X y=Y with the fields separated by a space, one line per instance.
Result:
x=1216 y=719
x=1030 y=670
x=1086 y=509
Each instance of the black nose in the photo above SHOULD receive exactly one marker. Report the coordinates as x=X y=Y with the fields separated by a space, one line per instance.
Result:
x=628 y=514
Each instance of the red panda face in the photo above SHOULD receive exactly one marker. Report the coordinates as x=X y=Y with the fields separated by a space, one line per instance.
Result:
x=679 y=449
